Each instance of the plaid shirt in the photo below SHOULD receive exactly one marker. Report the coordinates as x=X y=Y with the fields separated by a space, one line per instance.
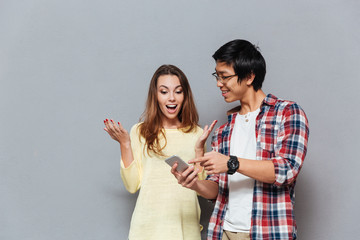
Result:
x=281 y=136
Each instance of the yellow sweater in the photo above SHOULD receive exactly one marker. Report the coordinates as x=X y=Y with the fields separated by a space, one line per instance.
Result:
x=164 y=209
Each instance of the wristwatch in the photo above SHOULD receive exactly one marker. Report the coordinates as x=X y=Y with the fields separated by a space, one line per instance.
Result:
x=233 y=165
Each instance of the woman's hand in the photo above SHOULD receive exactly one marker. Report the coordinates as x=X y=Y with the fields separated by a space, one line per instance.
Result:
x=199 y=146
x=187 y=178
x=117 y=132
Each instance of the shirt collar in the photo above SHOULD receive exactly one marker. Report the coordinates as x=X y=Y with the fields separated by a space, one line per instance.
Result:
x=268 y=100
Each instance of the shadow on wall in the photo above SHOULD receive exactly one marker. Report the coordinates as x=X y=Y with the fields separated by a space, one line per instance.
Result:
x=305 y=199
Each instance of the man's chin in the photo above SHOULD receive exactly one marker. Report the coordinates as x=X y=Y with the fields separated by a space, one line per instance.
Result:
x=229 y=100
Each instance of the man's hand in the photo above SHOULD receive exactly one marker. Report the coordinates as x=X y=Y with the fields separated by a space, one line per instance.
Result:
x=213 y=162
x=187 y=178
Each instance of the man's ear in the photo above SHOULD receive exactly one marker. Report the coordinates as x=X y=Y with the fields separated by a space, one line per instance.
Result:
x=250 y=78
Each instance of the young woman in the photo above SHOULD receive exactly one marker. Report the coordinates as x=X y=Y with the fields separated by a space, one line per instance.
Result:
x=164 y=209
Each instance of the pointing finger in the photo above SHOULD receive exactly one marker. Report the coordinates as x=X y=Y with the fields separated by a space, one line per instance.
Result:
x=198 y=160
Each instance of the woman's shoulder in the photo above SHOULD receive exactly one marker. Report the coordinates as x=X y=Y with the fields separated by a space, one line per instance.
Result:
x=197 y=130
x=135 y=129
x=136 y=125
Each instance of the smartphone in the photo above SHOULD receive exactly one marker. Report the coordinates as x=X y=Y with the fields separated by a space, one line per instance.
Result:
x=182 y=166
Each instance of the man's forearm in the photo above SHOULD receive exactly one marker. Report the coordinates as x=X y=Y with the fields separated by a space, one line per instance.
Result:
x=262 y=171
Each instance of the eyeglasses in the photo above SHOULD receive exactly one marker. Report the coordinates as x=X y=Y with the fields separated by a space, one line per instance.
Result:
x=222 y=79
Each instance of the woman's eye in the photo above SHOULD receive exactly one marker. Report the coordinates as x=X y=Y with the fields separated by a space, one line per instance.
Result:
x=179 y=92
x=163 y=92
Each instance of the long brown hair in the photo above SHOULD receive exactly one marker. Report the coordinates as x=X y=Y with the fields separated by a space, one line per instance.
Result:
x=151 y=128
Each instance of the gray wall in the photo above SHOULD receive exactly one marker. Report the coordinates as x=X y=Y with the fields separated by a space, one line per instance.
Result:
x=65 y=65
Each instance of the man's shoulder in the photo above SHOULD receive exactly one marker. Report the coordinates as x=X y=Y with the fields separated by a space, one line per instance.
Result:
x=281 y=104
x=289 y=107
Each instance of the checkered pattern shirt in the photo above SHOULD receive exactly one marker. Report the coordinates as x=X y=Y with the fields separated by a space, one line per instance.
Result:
x=281 y=136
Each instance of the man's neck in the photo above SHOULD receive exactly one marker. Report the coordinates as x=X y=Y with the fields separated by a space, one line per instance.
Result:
x=252 y=101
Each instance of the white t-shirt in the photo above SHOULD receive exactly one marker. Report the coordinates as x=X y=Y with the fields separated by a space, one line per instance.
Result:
x=241 y=187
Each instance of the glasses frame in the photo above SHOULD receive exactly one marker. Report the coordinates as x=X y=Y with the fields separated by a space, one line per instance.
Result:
x=222 y=79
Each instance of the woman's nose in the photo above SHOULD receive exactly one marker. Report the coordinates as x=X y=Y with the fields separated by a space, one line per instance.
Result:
x=172 y=97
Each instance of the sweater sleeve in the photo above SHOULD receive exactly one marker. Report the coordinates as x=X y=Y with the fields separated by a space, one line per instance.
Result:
x=132 y=175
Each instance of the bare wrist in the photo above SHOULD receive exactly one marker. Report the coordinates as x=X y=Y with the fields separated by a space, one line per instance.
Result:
x=126 y=145
x=199 y=150
x=195 y=187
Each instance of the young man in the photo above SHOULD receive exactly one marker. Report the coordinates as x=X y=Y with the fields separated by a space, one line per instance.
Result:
x=257 y=155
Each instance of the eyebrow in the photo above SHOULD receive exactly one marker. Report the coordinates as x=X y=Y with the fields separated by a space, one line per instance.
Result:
x=168 y=88
x=221 y=72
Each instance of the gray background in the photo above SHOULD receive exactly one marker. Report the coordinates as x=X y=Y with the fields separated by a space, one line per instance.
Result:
x=66 y=65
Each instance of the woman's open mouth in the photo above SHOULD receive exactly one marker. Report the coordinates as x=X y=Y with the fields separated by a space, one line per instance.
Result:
x=171 y=108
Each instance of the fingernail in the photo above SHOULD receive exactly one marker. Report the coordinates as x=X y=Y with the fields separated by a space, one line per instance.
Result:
x=119 y=123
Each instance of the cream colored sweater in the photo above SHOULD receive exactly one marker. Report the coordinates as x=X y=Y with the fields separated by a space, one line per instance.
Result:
x=164 y=209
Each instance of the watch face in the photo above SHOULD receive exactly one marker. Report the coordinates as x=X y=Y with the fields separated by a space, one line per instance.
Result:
x=232 y=164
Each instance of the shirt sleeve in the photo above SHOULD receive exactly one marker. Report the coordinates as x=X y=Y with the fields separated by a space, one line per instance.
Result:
x=132 y=175
x=291 y=145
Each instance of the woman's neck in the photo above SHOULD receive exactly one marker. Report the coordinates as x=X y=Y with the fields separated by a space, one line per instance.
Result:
x=171 y=123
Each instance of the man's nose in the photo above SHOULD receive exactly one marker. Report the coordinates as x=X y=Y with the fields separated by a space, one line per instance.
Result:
x=219 y=83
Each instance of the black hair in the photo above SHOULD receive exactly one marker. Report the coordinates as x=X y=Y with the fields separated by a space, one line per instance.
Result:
x=245 y=58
